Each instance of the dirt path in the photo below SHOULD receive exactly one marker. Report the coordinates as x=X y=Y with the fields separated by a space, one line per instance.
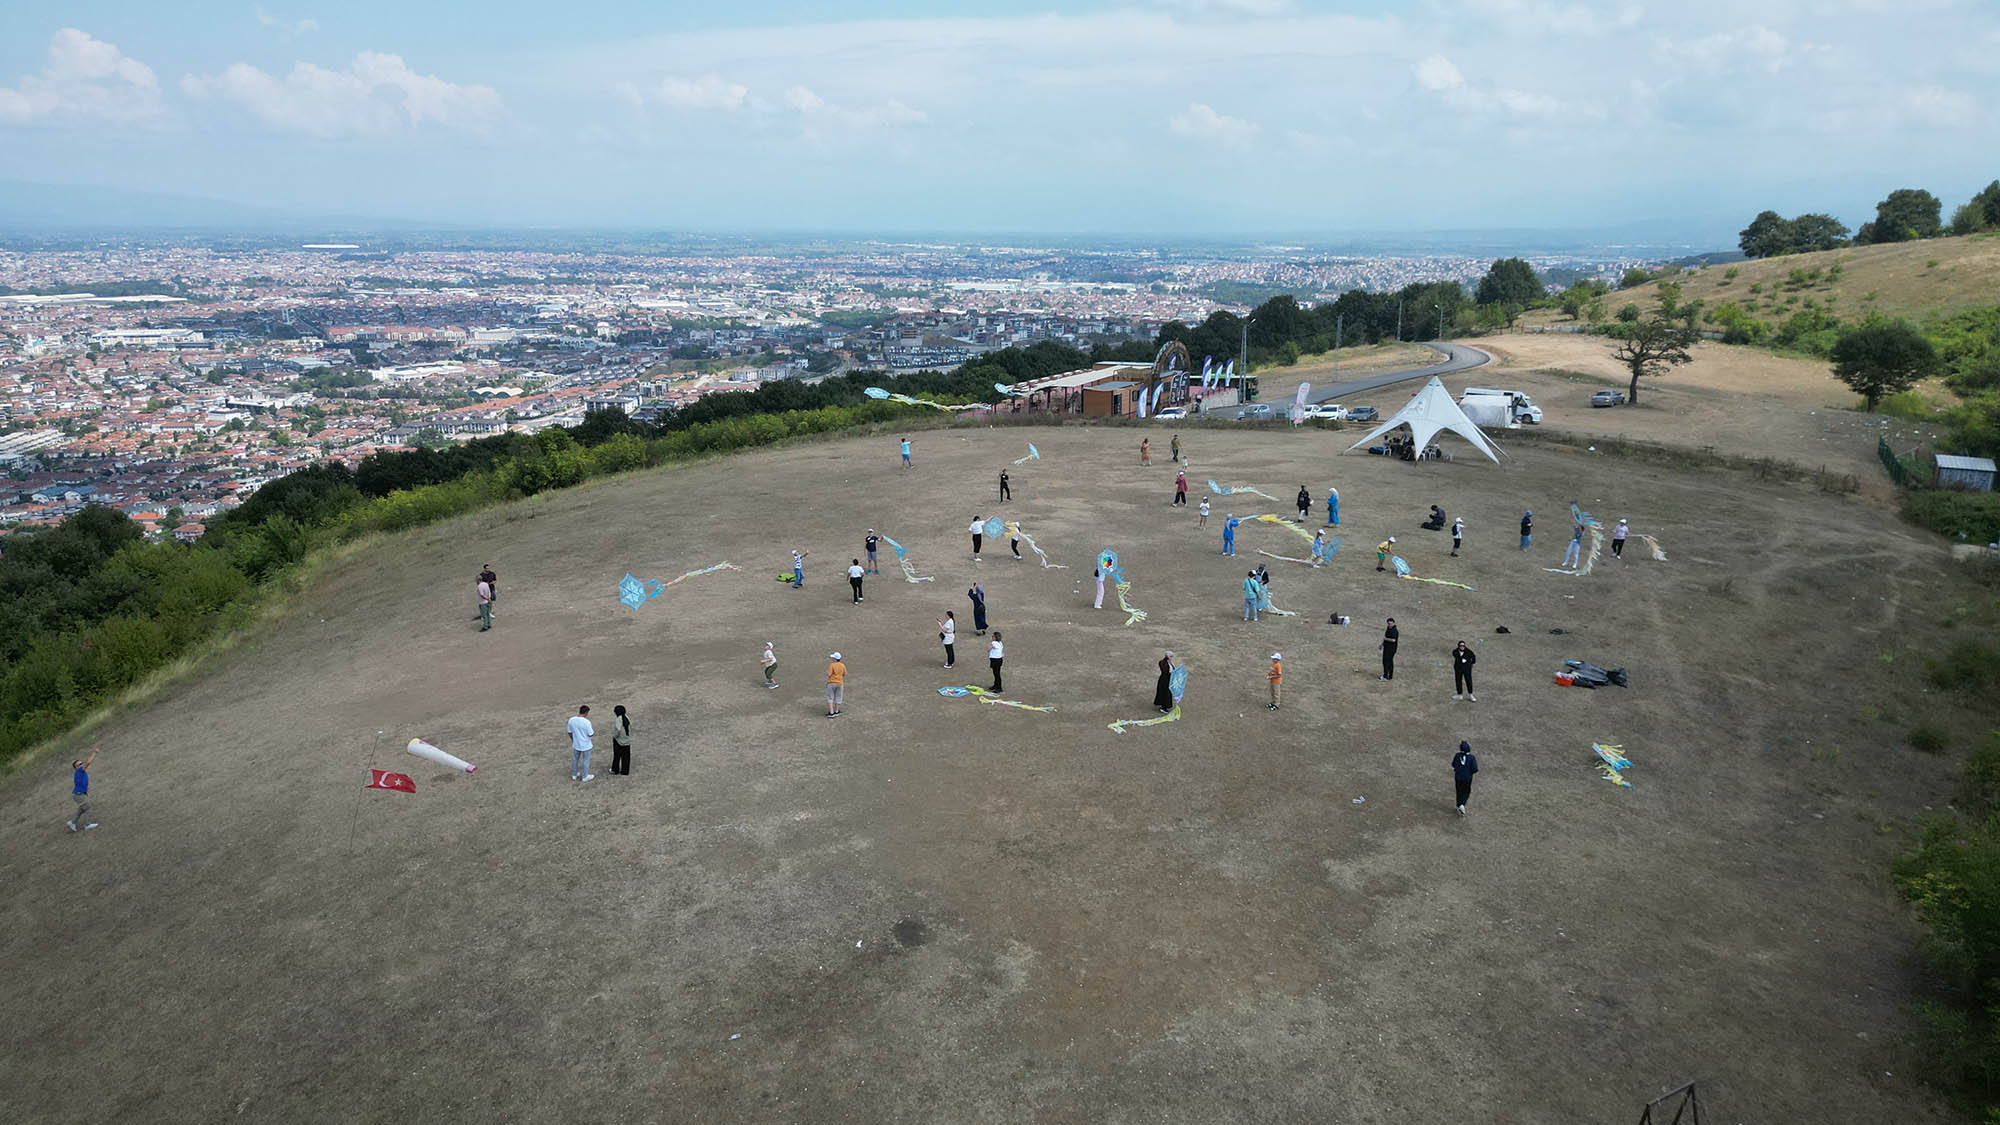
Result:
x=936 y=909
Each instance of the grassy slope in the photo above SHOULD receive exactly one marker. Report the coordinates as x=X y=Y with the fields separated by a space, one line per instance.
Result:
x=1898 y=277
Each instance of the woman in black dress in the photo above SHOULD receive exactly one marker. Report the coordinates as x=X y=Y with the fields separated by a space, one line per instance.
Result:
x=978 y=597
x=1163 y=694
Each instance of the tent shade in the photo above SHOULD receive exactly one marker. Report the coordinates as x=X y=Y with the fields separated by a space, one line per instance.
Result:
x=1430 y=411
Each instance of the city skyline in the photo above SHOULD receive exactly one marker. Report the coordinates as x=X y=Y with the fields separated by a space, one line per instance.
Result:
x=1226 y=117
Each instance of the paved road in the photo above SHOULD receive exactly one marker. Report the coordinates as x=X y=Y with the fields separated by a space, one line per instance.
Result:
x=1458 y=357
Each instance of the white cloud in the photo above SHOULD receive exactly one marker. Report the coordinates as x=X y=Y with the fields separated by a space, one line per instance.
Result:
x=83 y=77
x=378 y=93
x=1526 y=104
x=1754 y=46
x=1201 y=122
x=706 y=92
x=1939 y=108
x=288 y=30
x=804 y=100
x=1438 y=73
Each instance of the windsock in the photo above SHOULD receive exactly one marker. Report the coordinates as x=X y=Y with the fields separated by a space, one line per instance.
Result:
x=425 y=750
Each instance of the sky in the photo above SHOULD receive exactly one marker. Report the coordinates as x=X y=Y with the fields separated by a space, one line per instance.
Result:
x=1209 y=117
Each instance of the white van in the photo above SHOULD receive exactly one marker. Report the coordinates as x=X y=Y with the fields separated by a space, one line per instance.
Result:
x=1520 y=408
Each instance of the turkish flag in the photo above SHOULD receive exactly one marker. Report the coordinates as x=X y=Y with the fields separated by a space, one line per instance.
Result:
x=383 y=779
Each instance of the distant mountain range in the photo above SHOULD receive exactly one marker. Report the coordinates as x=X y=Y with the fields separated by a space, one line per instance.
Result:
x=53 y=215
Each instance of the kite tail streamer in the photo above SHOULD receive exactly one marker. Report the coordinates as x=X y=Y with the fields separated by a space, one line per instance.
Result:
x=1612 y=763
x=1658 y=554
x=1286 y=558
x=1132 y=614
x=909 y=570
x=973 y=691
x=1403 y=571
x=1015 y=529
x=697 y=573
x=1288 y=525
x=1221 y=490
x=1033 y=455
x=1119 y=726
x=877 y=392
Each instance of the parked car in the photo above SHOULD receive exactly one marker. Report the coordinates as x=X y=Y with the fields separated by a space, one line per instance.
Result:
x=1257 y=410
x=1363 y=414
x=1327 y=412
x=1170 y=414
x=1608 y=398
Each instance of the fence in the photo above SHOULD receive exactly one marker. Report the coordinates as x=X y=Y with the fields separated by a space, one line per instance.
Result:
x=1898 y=472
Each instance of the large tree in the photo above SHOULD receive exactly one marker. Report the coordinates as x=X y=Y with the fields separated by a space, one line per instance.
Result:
x=1908 y=213
x=1816 y=231
x=1882 y=357
x=1767 y=236
x=1509 y=281
x=1653 y=344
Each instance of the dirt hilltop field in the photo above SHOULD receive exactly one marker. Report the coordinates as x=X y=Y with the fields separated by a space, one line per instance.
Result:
x=933 y=909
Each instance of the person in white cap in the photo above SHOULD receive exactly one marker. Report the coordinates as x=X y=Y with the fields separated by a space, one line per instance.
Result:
x=1382 y=551
x=836 y=683
x=1277 y=677
x=1618 y=535
x=1457 y=536
x=770 y=662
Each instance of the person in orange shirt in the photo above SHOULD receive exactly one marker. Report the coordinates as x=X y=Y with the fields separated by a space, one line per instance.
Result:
x=836 y=682
x=1277 y=677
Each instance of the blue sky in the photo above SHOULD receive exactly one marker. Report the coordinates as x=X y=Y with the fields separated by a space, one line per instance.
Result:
x=1196 y=116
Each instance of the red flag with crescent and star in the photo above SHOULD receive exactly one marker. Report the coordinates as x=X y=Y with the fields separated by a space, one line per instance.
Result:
x=383 y=779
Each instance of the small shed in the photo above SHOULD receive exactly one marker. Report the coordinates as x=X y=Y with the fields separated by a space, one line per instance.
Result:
x=1974 y=474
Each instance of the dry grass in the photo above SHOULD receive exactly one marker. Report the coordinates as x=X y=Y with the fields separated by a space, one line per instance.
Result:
x=1898 y=279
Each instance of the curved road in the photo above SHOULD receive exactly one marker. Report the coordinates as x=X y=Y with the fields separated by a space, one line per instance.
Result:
x=1458 y=357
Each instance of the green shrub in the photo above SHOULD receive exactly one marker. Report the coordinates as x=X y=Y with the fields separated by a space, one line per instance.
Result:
x=1907 y=405
x=1953 y=879
x=1930 y=738
x=1969 y=516
x=1731 y=273
x=1967 y=666
x=1982 y=776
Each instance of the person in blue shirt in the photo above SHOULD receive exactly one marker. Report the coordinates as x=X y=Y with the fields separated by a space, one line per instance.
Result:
x=1229 y=534
x=1252 y=594
x=80 y=792
x=906 y=453
x=1463 y=766
x=1332 y=507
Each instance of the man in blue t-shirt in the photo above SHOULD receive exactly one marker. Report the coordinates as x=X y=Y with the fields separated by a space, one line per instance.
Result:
x=80 y=793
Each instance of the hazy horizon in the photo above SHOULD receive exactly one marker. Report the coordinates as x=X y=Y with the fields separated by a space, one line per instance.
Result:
x=1240 y=119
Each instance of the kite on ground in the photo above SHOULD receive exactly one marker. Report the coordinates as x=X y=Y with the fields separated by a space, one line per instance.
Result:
x=636 y=593
x=1613 y=763
x=1033 y=455
x=1219 y=490
x=973 y=691
x=431 y=753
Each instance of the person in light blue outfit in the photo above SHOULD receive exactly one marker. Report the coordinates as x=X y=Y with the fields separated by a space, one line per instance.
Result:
x=799 y=568
x=1229 y=534
x=1332 y=507
x=1574 y=555
x=1252 y=594
x=1319 y=548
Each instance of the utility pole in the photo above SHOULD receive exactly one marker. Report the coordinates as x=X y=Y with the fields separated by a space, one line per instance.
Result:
x=1243 y=356
x=1337 y=322
x=1440 y=309
x=1399 y=321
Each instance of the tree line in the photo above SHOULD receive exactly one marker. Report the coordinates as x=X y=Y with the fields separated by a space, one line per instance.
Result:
x=1905 y=215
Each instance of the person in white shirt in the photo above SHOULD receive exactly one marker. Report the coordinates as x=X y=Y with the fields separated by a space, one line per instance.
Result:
x=770 y=661
x=1618 y=536
x=854 y=573
x=580 y=732
x=1457 y=536
x=993 y=655
x=978 y=530
x=948 y=633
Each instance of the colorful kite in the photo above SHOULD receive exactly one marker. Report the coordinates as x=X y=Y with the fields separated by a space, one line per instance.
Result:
x=1033 y=455
x=1107 y=561
x=1403 y=571
x=1014 y=528
x=636 y=593
x=1612 y=762
x=1176 y=684
x=973 y=691
x=1288 y=525
x=909 y=570
x=1221 y=491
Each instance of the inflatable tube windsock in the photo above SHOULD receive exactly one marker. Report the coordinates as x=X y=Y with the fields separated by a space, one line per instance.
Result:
x=425 y=750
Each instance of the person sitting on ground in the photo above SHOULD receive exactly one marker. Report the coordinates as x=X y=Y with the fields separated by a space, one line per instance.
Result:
x=1436 y=522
